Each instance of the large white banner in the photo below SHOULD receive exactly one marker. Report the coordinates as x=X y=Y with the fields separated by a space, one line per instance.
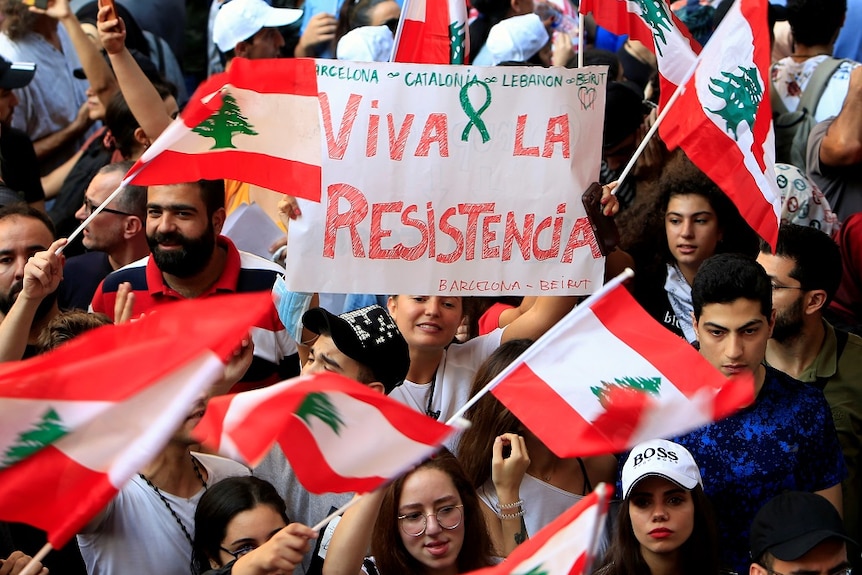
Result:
x=452 y=180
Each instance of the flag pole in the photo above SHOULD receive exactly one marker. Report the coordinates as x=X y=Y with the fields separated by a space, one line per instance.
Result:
x=98 y=209
x=581 y=39
x=30 y=568
x=322 y=523
x=579 y=310
x=680 y=89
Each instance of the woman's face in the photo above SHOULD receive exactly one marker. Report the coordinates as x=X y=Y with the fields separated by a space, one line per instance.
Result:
x=247 y=531
x=662 y=515
x=692 y=229
x=428 y=492
x=426 y=321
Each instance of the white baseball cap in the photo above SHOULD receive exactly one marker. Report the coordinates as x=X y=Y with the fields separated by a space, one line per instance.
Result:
x=365 y=44
x=516 y=39
x=239 y=20
x=660 y=458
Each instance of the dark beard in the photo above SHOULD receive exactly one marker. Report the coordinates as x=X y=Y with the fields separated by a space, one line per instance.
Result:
x=45 y=306
x=788 y=325
x=188 y=261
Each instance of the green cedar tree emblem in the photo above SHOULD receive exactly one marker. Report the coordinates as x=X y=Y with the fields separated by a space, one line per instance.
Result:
x=651 y=385
x=456 y=42
x=318 y=405
x=49 y=429
x=742 y=94
x=537 y=570
x=222 y=125
x=655 y=13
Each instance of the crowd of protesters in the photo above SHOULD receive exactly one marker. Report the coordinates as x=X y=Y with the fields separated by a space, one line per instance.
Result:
x=774 y=489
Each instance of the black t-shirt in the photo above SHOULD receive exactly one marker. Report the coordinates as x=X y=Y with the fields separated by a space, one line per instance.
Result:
x=81 y=276
x=19 y=165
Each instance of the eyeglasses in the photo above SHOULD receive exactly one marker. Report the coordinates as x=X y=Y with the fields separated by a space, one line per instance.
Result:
x=244 y=550
x=845 y=571
x=90 y=207
x=777 y=286
x=414 y=524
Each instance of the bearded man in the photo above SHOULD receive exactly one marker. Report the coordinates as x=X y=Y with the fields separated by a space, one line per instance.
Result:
x=805 y=272
x=190 y=258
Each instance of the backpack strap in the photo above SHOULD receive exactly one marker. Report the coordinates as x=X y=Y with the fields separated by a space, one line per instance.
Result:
x=817 y=84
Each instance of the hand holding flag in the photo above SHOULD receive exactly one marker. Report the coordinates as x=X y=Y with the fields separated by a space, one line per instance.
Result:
x=80 y=421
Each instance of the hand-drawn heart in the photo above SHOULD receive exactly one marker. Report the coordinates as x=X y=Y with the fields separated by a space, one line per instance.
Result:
x=587 y=96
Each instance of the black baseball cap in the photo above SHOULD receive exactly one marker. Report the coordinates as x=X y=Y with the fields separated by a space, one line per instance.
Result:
x=624 y=112
x=368 y=335
x=792 y=524
x=15 y=74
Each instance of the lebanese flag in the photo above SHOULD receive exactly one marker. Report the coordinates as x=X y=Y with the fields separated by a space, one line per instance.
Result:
x=658 y=29
x=339 y=435
x=608 y=376
x=432 y=32
x=723 y=120
x=256 y=123
x=566 y=546
x=80 y=421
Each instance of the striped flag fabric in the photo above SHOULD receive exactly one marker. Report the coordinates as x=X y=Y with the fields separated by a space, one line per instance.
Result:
x=256 y=123
x=432 y=32
x=580 y=403
x=566 y=546
x=656 y=26
x=80 y=421
x=723 y=119
x=339 y=435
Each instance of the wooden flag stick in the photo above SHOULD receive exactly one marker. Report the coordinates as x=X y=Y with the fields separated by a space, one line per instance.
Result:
x=30 y=568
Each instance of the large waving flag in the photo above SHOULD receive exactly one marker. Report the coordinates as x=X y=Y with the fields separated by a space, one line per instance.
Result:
x=723 y=120
x=80 y=421
x=656 y=385
x=432 y=32
x=655 y=25
x=338 y=435
x=256 y=123
x=566 y=546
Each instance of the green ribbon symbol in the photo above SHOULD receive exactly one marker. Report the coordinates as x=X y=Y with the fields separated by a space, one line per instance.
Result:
x=474 y=114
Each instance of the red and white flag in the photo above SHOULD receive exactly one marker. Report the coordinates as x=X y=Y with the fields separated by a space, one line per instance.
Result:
x=566 y=546
x=656 y=26
x=338 y=435
x=256 y=123
x=80 y=421
x=432 y=32
x=723 y=120
x=608 y=376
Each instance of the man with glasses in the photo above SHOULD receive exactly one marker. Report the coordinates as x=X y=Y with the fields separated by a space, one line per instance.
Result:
x=797 y=533
x=115 y=238
x=805 y=272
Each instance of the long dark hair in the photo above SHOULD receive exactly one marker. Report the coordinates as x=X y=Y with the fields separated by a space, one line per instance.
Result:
x=390 y=555
x=698 y=555
x=222 y=502
x=488 y=417
x=681 y=177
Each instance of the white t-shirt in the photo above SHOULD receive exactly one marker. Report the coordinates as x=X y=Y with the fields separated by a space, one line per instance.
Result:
x=454 y=377
x=542 y=501
x=137 y=534
x=790 y=78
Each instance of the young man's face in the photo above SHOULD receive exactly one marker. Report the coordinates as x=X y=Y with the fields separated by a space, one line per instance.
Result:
x=733 y=335
x=325 y=356
x=20 y=238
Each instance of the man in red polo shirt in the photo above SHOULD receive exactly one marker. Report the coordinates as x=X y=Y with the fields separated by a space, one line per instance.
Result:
x=189 y=258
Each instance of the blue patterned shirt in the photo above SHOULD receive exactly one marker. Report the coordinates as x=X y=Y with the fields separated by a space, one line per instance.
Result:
x=785 y=441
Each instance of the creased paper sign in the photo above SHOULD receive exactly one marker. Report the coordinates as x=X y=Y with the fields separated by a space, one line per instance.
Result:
x=452 y=180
